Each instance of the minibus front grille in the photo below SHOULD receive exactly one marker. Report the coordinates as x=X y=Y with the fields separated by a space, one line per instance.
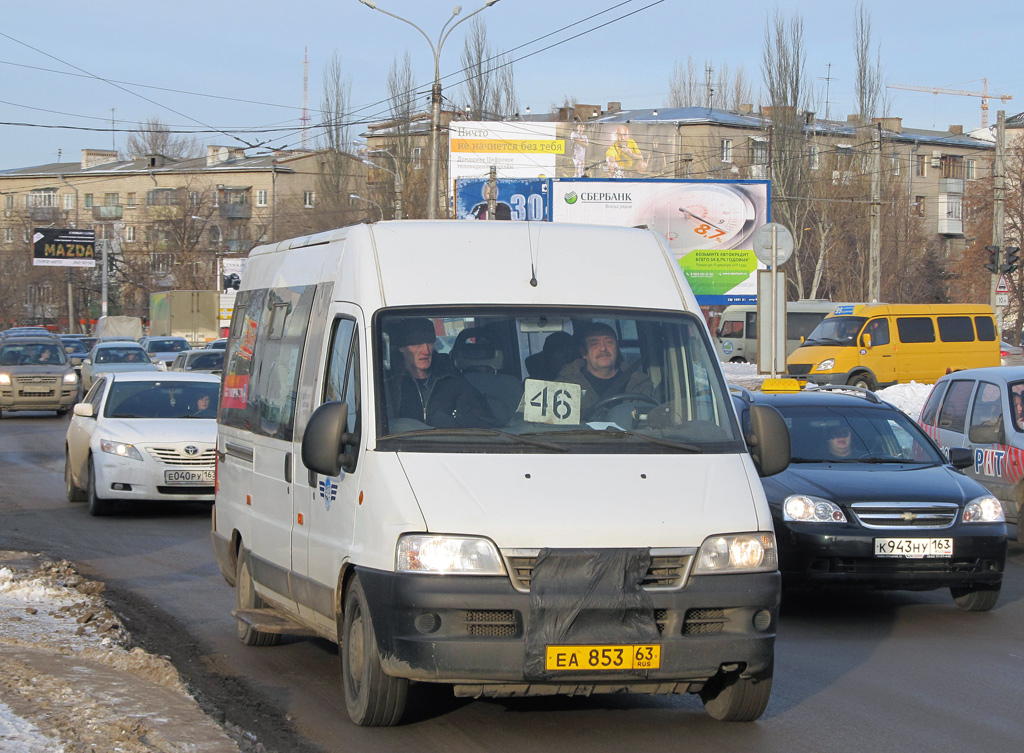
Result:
x=492 y=623
x=704 y=621
x=798 y=369
x=668 y=571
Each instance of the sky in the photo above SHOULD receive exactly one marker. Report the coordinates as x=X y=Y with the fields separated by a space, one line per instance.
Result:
x=232 y=72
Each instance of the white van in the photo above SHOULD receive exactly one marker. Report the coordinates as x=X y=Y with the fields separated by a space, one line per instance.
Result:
x=736 y=336
x=491 y=538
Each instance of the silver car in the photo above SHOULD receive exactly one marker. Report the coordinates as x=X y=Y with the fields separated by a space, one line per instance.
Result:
x=206 y=360
x=108 y=357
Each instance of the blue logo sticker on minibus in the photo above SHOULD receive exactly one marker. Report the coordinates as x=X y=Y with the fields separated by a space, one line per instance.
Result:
x=840 y=310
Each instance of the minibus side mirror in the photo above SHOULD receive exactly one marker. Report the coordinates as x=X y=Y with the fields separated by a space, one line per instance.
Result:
x=325 y=440
x=961 y=457
x=867 y=341
x=768 y=440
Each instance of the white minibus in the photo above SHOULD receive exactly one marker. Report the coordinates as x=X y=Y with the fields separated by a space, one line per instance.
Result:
x=736 y=335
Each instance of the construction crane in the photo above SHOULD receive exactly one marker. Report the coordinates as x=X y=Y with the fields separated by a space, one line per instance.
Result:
x=984 y=94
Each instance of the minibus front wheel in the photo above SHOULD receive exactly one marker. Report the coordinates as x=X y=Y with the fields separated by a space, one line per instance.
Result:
x=863 y=380
x=731 y=698
x=373 y=697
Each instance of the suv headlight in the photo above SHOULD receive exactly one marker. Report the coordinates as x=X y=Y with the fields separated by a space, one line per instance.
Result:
x=738 y=552
x=121 y=449
x=5 y=379
x=424 y=553
x=805 y=509
x=984 y=510
x=827 y=365
x=70 y=378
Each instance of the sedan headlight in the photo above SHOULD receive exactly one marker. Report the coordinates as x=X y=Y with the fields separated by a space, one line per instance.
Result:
x=5 y=379
x=805 y=509
x=984 y=510
x=423 y=553
x=70 y=378
x=738 y=552
x=121 y=449
x=827 y=365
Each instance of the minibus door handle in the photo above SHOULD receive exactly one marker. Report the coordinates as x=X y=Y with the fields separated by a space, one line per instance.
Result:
x=288 y=467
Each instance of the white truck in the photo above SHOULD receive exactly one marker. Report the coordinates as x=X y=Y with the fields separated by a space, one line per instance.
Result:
x=479 y=517
x=119 y=326
x=192 y=314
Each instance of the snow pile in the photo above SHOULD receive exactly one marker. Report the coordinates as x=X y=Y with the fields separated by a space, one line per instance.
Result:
x=909 y=398
x=32 y=591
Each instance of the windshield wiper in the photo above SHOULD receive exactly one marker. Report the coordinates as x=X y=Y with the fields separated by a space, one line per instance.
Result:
x=615 y=433
x=896 y=460
x=434 y=433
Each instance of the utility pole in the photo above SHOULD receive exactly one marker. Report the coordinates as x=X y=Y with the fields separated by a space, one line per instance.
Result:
x=998 y=199
x=875 y=237
x=492 y=193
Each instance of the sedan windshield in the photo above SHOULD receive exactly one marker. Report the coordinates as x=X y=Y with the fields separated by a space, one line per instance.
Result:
x=836 y=330
x=832 y=434
x=162 y=400
x=121 y=355
x=167 y=346
x=528 y=380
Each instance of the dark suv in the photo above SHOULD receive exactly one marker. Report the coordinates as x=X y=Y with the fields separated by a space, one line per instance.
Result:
x=869 y=500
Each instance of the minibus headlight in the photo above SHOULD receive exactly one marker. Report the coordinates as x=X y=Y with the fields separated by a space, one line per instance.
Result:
x=121 y=449
x=422 y=553
x=984 y=510
x=806 y=509
x=738 y=552
x=827 y=365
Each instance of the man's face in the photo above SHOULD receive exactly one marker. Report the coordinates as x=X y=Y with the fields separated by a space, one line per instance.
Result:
x=601 y=353
x=622 y=135
x=418 y=358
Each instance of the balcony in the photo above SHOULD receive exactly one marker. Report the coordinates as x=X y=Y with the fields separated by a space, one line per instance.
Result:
x=951 y=185
x=950 y=226
x=44 y=214
x=236 y=246
x=108 y=213
x=235 y=211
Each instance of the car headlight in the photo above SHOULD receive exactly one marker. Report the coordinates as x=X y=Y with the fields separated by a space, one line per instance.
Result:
x=5 y=379
x=121 y=449
x=423 y=553
x=827 y=365
x=738 y=552
x=800 y=507
x=70 y=378
x=984 y=510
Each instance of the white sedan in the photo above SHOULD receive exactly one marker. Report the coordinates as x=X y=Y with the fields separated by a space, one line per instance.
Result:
x=143 y=436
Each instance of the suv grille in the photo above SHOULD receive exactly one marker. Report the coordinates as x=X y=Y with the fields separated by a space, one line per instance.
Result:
x=905 y=515
x=667 y=572
x=174 y=456
x=36 y=380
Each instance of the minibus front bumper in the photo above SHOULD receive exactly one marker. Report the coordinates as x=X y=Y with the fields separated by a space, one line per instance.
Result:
x=474 y=632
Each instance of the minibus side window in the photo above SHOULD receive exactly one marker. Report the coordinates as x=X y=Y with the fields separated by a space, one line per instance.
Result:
x=956 y=329
x=879 y=331
x=341 y=383
x=752 y=325
x=732 y=328
x=986 y=328
x=915 y=329
x=236 y=402
x=954 y=407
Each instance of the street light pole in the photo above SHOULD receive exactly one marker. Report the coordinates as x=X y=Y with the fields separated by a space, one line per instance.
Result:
x=435 y=92
x=396 y=173
x=357 y=197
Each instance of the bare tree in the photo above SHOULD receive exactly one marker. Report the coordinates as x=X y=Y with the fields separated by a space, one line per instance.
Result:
x=868 y=84
x=337 y=177
x=153 y=137
x=489 y=87
x=709 y=87
x=400 y=147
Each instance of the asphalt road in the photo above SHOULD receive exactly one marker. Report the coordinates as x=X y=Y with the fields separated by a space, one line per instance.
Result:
x=853 y=671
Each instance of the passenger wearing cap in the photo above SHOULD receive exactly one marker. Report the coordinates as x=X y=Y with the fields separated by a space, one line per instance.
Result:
x=599 y=370
x=424 y=391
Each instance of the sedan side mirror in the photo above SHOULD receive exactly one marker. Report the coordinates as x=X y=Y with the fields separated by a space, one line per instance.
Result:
x=83 y=409
x=768 y=440
x=961 y=457
x=325 y=440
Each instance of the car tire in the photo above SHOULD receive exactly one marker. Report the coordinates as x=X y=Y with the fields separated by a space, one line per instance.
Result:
x=247 y=598
x=739 y=699
x=97 y=505
x=861 y=380
x=373 y=698
x=73 y=493
x=975 y=598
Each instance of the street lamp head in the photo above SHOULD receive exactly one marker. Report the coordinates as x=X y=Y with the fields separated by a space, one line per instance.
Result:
x=456 y=10
x=489 y=3
x=369 y=3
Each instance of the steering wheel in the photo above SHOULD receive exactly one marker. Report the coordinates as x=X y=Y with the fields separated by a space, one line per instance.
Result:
x=608 y=402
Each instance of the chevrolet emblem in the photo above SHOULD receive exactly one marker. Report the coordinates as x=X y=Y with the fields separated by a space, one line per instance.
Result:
x=908 y=517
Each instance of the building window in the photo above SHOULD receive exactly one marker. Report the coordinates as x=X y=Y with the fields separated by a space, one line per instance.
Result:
x=193 y=198
x=308 y=199
x=9 y=202
x=920 y=166
x=844 y=156
x=417 y=157
x=954 y=208
x=8 y=235
x=919 y=204
x=758 y=152
x=261 y=233
x=69 y=201
x=44 y=198
x=111 y=199
x=726 y=150
x=894 y=160
x=161 y=263
x=88 y=201
x=129 y=234
x=132 y=201
x=952 y=166
x=261 y=197
x=235 y=196
x=813 y=156
x=162 y=197
x=970 y=167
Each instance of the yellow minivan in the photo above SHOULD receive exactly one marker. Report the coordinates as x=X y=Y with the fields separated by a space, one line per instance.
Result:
x=878 y=344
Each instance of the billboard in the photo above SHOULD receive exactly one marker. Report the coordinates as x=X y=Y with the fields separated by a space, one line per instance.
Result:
x=516 y=149
x=517 y=199
x=708 y=224
x=59 y=247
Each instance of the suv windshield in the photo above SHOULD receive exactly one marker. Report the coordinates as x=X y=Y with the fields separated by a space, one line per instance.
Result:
x=526 y=380
x=831 y=434
x=32 y=354
x=836 y=330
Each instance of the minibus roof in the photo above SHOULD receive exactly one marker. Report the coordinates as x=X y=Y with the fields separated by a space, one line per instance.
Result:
x=911 y=309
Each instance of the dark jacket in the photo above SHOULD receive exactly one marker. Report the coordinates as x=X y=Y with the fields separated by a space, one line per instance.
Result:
x=449 y=401
x=628 y=380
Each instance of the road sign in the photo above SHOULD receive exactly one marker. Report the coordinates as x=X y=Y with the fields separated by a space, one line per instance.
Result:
x=1002 y=299
x=783 y=239
x=1002 y=287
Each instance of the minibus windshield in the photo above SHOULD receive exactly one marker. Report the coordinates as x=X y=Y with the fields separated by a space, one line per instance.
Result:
x=837 y=330
x=566 y=380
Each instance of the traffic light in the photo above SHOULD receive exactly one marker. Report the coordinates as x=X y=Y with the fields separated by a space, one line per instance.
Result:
x=1011 y=260
x=993 y=259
